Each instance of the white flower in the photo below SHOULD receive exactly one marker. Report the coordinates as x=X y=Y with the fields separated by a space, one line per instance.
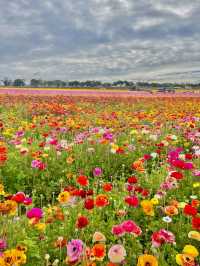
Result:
x=167 y=219
x=154 y=155
x=193 y=197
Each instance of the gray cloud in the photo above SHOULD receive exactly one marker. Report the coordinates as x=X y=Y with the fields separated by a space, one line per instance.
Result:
x=100 y=39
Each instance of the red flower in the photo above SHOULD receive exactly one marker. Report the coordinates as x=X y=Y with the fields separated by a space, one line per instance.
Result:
x=89 y=192
x=177 y=175
x=196 y=223
x=145 y=192
x=132 y=201
x=120 y=150
x=189 y=210
x=89 y=203
x=82 y=222
x=19 y=197
x=82 y=180
x=107 y=187
x=147 y=157
x=188 y=156
x=132 y=179
x=195 y=203
x=138 y=189
x=3 y=154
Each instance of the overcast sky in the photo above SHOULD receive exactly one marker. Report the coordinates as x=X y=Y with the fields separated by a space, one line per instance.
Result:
x=100 y=39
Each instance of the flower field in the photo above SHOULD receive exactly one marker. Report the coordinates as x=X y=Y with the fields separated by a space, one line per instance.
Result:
x=91 y=179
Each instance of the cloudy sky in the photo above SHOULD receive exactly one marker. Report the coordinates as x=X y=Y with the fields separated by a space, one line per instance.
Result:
x=100 y=39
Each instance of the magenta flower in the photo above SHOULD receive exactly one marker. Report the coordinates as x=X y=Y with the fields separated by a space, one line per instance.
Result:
x=34 y=213
x=97 y=171
x=131 y=227
x=118 y=230
x=27 y=201
x=3 y=244
x=74 y=250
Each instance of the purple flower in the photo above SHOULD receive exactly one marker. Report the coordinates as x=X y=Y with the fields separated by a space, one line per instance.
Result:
x=35 y=163
x=34 y=213
x=3 y=244
x=97 y=171
x=74 y=249
x=20 y=133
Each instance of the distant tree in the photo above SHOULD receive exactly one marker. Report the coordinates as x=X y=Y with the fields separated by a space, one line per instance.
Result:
x=7 y=82
x=19 y=82
x=35 y=83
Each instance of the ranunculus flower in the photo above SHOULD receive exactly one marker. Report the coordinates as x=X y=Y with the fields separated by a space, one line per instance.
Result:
x=101 y=200
x=82 y=180
x=118 y=230
x=89 y=203
x=132 y=201
x=148 y=208
x=82 y=222
x=162 y=236
x=74 y=250
x=189 y=210
x=27 y=201
x=131 y=227
x=97 y=171
x=34 y=213
x=98 y=237
x=146 y=259
x=117 y=254
x=19 y=197
x=3 y=244
x=196 y=223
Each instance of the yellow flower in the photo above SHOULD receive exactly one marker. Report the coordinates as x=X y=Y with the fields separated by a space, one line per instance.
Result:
x=20 y=257
x=184 y=259
x=181 y=205
x=154 y=201
x=40 y=226
x=11 y=205
x=70 y=160
x=147 y=207
x=194 y=235
x=8 y=257
x=191 y=250
x=2 y=192
x=146 y=259
x=64 y=197
x=196 y=184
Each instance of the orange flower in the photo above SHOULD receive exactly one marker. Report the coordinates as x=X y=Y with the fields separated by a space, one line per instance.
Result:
x=101 y=200
x=171 y=210
x=147 y=207
x=99 y=251
x=64 y=197
x=138 y=166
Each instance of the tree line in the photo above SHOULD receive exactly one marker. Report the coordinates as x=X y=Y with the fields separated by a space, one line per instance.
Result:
x=37 y=83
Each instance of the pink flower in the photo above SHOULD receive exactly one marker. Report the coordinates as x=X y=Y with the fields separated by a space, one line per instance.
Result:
x=130 y=227
x=34 y=213
x=118 y=230
x=3 y=244
x=97 y=171
x=161 y=237
x=74 y=250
